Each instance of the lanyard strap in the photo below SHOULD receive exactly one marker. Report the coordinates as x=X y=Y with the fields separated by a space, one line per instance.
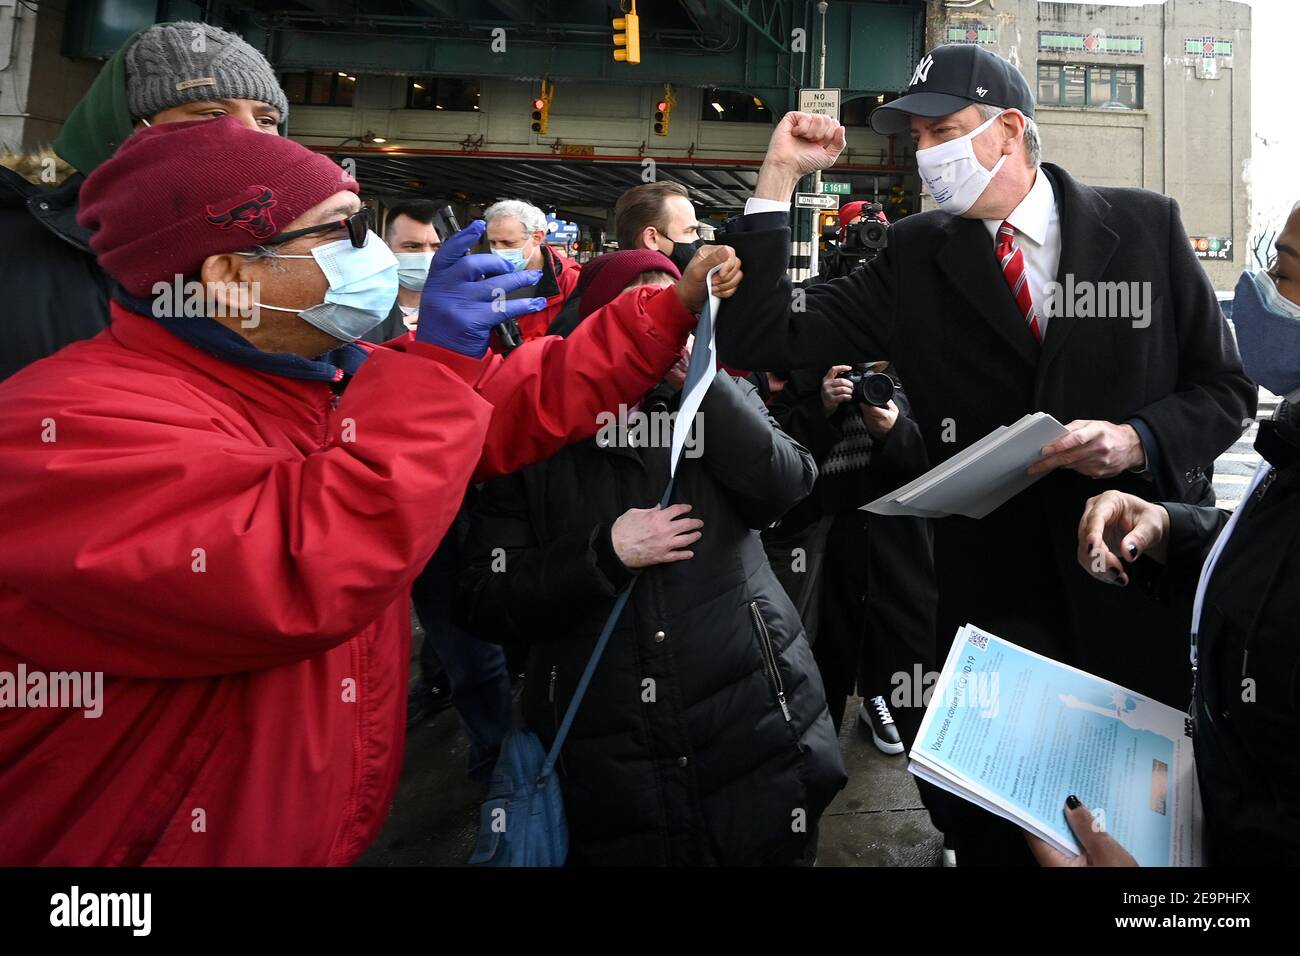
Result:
x=610 y=622
x=1207 y=569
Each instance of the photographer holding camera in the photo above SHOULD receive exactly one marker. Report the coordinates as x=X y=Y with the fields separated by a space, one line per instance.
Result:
x=863 y=232
x=875 y=593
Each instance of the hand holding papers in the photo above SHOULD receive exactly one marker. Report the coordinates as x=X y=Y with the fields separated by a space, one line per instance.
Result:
x=978 y=479
x=1016 y=733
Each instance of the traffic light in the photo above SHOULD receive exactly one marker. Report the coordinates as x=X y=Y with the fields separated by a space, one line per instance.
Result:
x=897 y=203
x=627 y=42
x=542 y=107
x=664 y=111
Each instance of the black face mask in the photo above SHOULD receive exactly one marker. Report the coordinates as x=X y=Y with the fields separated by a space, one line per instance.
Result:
x=683 y=252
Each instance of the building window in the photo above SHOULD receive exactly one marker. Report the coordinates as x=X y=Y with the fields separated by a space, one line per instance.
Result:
x=319 y=88
x=728 y=106
x=442 y=93
x=1096 y=87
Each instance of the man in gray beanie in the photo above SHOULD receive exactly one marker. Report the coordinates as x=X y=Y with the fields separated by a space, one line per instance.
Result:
x=181 y=71
x=168 y=73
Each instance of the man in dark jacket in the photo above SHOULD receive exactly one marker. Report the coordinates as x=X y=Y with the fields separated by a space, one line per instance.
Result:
x=876 y=620
x=961 y=302
x=161 y=75
x=704 y=736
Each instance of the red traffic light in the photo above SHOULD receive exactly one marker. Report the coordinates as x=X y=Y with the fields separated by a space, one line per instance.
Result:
x=661 y=105
x=538 y=103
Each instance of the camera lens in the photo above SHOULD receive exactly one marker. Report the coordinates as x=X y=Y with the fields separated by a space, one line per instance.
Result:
x=874 y=388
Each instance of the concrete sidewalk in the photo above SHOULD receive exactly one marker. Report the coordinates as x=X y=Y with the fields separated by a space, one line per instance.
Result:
x=876 y=820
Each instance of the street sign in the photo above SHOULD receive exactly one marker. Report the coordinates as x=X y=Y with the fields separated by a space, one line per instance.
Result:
x=1212 y=247
x=822 y=102
x=559 y=232
x=815 y=201
x=838 y=189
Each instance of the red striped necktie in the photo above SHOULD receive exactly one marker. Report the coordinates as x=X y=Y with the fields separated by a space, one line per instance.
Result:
x=1012 y=261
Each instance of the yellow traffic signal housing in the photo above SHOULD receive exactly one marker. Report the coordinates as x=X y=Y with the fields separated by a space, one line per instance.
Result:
x=627 y=41
x=542 y=107
x=664 y=111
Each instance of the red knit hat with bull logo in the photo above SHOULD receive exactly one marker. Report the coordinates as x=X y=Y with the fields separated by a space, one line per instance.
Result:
x=176 y=193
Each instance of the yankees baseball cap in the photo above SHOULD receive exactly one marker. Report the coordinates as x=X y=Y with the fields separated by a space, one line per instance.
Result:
x=950 y=78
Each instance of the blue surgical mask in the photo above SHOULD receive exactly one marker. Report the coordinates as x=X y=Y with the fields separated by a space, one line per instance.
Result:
x=1268 y=333
x=362 y=287
x=413 y=269
x=518 y=261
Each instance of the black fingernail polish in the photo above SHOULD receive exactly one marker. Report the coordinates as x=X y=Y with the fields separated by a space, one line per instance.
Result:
x=1072 y=802
x=1132 y=550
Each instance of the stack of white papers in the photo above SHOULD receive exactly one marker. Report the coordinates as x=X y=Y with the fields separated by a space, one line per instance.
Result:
x=980 y=478
x=1016 y=733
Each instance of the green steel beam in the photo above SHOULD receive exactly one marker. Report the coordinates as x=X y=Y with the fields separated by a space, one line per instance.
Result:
x=871 y=48
x=771 y=11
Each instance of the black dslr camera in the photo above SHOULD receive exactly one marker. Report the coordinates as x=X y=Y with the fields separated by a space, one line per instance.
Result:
x=862 y=242
x=870 y=388
x=865 y=238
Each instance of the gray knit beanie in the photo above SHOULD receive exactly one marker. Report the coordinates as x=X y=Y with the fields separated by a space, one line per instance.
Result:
x=184 y=62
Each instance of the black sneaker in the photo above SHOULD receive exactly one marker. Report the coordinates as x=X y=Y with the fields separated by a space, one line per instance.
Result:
x=424 y=701
x=874 y=718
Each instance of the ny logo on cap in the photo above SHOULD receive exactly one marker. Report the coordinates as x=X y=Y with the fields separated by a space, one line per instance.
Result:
x=922 y=71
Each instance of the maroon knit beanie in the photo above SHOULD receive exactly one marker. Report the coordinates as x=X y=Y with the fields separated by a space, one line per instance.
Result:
x=176 y=193
x=604 y=277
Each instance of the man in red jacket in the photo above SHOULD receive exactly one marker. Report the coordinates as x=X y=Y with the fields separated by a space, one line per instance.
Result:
x=219 y=511
x=516 y=231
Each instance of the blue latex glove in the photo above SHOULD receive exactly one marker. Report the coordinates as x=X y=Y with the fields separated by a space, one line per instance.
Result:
x=464 y=297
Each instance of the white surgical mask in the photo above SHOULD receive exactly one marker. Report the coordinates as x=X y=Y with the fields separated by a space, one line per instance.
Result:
x=413 y=269
x=410 y=316
x=953 y=174
x=362 y=287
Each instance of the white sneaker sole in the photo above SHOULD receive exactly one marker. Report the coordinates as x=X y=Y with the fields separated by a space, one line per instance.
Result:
x=886 y=747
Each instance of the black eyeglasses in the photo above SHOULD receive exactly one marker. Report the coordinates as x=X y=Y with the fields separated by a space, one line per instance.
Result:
x=357 y=226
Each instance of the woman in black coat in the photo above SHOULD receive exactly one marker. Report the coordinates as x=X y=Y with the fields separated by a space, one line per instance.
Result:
x=704 y=737
x=1239 y=576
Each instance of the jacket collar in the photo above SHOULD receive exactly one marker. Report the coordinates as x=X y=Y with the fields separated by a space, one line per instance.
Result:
x=966 y=257
x=214 y=339
x=1087 y=246
x=1278 y=440
x=54 y=208
x=548 y=286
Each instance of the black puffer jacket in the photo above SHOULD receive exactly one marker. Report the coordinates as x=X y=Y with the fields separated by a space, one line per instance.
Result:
x=682 y=751
x=56 y=293
x=1247 y=705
